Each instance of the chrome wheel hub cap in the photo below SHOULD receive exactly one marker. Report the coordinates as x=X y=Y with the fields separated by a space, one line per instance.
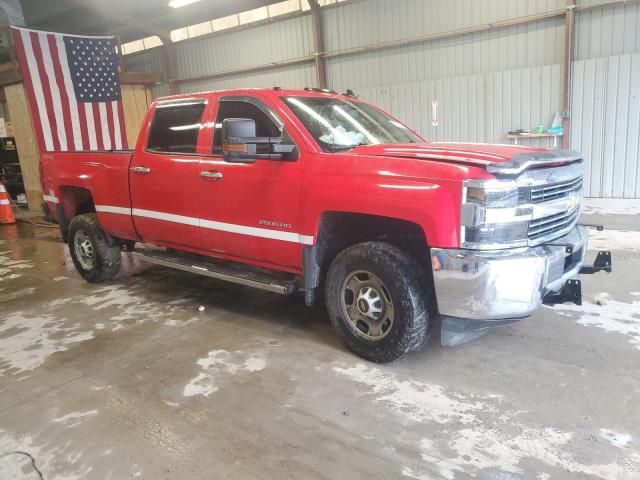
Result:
x=84 y=249
x=366 y=305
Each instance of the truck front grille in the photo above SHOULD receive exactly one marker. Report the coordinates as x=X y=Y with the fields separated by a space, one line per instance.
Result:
x=548 y=226
x=545 y=193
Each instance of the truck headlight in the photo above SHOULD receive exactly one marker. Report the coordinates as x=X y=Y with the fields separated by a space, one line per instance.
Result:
x=494 y=215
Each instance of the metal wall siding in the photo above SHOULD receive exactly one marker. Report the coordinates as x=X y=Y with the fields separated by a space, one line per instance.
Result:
x=150 y=61
x=514 y=47
x=293 y=76
x=364 y=22
x=268 y=43
x=161 y=90
x=476 y=108
x=607 y=31
x=606 y=123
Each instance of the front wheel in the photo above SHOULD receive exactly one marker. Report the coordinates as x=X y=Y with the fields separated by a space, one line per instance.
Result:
x=94 y=252
x=377 y=300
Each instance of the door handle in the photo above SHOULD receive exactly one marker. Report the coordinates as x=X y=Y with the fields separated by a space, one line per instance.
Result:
x=141 y=169
x=211 y=174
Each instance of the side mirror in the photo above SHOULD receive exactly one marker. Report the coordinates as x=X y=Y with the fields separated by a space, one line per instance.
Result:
x=240 y=143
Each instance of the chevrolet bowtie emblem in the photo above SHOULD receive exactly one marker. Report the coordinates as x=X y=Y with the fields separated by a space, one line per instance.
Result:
x=572 y=202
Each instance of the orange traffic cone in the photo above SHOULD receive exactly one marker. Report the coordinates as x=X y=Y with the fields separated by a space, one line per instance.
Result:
x=6 y=212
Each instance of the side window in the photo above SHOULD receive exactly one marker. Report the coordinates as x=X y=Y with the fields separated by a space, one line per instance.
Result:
x=265 y=126
x=175 y=128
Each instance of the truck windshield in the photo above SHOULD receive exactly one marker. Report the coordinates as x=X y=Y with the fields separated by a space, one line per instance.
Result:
x=338 y=124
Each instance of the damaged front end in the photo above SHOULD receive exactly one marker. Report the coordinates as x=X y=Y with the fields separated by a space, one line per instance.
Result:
x=521 y=246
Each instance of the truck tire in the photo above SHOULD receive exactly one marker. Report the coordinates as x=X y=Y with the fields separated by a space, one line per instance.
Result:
x=95 y=253
x=377 y=298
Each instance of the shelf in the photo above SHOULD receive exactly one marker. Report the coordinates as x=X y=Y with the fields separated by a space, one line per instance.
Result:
x=535 y=135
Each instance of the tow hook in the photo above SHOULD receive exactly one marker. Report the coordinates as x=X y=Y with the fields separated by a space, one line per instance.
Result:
x=602 y=263
x=603 y=260
x=571 y=292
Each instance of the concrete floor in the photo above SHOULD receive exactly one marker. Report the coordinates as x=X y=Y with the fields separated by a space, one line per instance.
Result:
x=130 y=380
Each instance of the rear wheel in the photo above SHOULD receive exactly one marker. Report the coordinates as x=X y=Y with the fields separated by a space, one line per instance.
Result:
x=95 y=253
x=377 y=300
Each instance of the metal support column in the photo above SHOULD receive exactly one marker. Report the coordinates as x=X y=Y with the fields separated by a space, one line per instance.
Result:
x=318 y=44
x=569 y=41
x=171 y=67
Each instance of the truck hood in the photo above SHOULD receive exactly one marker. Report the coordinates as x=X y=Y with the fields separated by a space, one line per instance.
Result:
x=473 y=153
x=497 y=159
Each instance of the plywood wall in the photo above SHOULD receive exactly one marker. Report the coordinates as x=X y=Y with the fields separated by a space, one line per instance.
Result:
x=135 y=102
x=26 y=143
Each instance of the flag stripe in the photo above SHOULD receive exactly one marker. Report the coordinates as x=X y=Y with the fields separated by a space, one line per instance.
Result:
x=54 y=91
x=91 y=126
x=123 y=130
x=97 y=125
x=117 y=133
x=102 y=126
x=74 y=112
x=59 y=95
x=46 y=90
x=110 y=134
x=84 y=133
x=37 y=89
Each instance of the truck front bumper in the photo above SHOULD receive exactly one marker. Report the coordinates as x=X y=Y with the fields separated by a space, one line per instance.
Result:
x=477 y=290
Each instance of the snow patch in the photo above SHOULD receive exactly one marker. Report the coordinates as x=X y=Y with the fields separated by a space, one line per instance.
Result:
x=610 y=206
x=415 y=400
x=180 y=323
x=614 y=240
x=125 y=303
x=74 y=419
x=610 y=315
x=54 y=460
x=218 y=363
x=7 y=265
x=27 y=342
x=17 y=294
x=620 y=440
x=476 y=436
x=11 y=276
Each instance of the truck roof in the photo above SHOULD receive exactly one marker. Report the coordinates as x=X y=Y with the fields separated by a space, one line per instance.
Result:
x=276 y=91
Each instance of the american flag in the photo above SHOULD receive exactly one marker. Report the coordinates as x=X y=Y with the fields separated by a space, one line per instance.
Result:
x=74 y=90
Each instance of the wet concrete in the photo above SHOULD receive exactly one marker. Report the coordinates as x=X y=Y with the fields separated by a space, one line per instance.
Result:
x=130 y=380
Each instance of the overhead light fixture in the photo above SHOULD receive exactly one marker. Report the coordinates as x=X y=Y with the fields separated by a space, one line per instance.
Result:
x=181 y=3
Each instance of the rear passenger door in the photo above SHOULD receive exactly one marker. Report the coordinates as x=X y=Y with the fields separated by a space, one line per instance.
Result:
x=164 y=175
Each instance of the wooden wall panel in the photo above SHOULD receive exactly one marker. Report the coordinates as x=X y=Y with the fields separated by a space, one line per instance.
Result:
x=26 y=143
x=135 y=102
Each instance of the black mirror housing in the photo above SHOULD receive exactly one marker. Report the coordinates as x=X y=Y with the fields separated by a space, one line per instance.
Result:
x=235 y=132
x=239 y=143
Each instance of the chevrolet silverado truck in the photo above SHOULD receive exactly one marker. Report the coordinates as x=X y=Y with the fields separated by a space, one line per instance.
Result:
x=316 y=192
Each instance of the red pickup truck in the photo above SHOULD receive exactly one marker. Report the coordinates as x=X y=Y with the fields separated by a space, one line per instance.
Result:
x=311 y=191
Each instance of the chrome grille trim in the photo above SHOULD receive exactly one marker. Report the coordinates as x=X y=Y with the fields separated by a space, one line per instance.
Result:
x=550 y=193
x=554 y=191
x=552 y=226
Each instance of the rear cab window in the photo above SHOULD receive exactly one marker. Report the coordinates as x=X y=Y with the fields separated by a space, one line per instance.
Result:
x=175 y=127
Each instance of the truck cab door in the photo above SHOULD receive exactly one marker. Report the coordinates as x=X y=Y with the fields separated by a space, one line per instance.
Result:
x=251 y=211
x=164 y=174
